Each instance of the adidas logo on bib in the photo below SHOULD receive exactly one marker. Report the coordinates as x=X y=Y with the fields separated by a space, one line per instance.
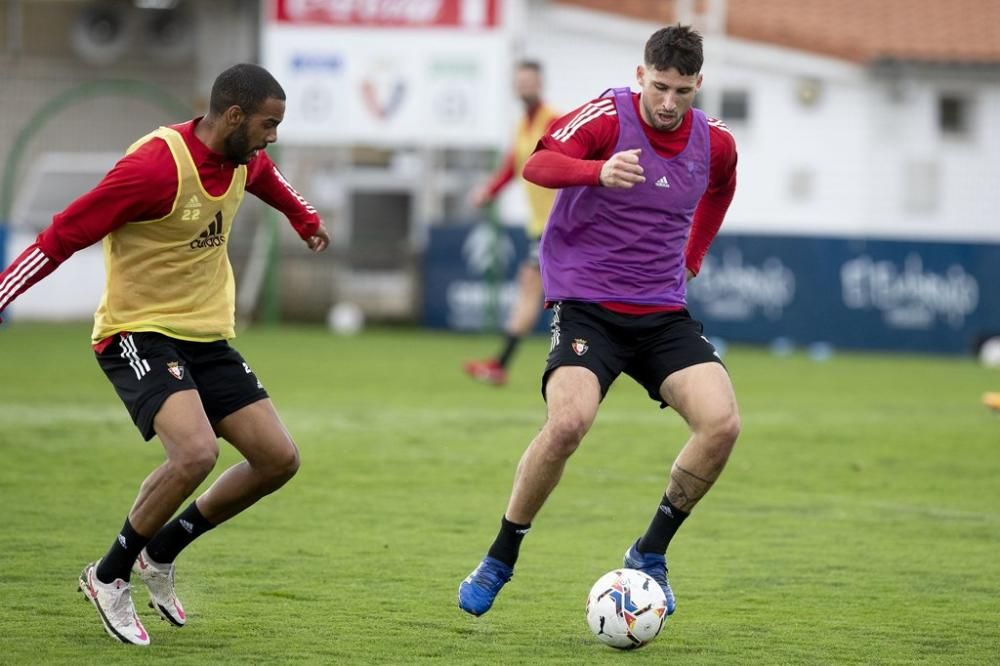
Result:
x=212 y=236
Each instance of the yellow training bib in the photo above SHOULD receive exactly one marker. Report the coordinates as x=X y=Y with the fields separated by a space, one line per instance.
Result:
x=540 y=199
x=173 y=275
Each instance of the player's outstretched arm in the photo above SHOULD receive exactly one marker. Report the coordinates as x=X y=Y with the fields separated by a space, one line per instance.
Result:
x=266 y=182
x=489 y=190
x=135 y=189
x=28 y=268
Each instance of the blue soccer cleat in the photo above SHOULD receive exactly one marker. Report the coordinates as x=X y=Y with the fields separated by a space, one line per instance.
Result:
x=654 y=566
x=480 y=588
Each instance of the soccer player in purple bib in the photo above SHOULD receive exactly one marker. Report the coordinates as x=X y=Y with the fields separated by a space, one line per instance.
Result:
x=644 y=182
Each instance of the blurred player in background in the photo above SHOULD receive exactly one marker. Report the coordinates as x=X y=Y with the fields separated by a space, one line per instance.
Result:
x=646 y=181
x=165 y=214
x=538 y=117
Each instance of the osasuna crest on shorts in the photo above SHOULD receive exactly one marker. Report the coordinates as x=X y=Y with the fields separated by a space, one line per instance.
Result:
x=175 y=369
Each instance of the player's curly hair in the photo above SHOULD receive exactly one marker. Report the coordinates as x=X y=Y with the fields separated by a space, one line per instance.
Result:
x=677 y=46
x=246 y=86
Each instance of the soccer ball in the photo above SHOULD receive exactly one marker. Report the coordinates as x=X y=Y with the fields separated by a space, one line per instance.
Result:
x=626 y=609
x=345 y=318
x=989 y=352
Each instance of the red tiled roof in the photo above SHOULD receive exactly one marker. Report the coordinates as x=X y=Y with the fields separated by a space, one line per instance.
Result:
x=962 y=31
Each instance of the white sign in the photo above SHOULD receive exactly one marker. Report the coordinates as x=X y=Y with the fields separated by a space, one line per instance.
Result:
x=389 y=86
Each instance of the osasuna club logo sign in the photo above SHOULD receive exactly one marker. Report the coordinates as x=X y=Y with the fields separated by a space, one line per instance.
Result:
x=579 y=346
x=176 y=369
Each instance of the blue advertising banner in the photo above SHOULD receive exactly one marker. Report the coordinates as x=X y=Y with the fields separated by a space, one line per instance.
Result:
x=851 y=293
x=470 y=276
x=920 y=296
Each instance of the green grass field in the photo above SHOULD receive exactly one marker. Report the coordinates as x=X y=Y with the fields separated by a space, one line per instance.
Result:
x=857 y=523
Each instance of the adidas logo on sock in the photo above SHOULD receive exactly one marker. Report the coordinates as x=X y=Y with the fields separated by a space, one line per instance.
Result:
x=212 y=236
x=187 y=525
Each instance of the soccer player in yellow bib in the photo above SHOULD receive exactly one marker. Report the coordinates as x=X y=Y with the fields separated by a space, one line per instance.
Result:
x=538 y=117
x=165 y=214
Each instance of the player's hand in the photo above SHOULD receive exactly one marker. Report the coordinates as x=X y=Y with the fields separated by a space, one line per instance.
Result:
x=320 y=240
x=479 y=197
x=690 y=274
x=622 y=170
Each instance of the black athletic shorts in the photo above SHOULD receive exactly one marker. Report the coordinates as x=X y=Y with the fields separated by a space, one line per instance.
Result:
x=648 y=348
x=146 y=368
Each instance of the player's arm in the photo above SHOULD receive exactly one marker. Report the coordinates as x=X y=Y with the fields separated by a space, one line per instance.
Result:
x=265 y=181
x=499 y=180
x=577 y=151
x=137 y=188
x=715 y=202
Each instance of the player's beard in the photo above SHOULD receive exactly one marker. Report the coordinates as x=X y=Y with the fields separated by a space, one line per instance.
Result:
x=237 y=145
x=660 y=125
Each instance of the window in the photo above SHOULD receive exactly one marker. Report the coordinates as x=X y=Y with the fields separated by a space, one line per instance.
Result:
x=735 y=107
x=954 y=115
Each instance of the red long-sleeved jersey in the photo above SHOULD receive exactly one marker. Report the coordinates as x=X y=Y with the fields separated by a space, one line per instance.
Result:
x=142 y=186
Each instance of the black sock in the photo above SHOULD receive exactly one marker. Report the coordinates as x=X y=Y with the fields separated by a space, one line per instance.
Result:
x=508 y=542
x=117 y=563
x=177 y=534
x=661 y=529
x=509 y=347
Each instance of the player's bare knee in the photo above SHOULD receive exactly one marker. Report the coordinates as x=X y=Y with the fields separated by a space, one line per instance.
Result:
x=289 y=461
x=722 y=433
x=730 y=429
x=197 y=459
x=282 y=464
x=566 y=431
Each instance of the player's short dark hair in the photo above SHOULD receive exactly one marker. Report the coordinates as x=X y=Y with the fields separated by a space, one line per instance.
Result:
x=677 y=46
x=246 y=86
x=533 y=65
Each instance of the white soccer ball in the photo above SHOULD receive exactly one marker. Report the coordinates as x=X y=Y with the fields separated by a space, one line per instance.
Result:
x=626 y=609
x=345 y=318
x=989 y=353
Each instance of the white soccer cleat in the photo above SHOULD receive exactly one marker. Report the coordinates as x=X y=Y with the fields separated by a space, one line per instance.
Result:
x=114 y=606
x=159 y=580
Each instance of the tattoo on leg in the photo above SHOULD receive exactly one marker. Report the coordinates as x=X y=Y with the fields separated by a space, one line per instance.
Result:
x=686 y=488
